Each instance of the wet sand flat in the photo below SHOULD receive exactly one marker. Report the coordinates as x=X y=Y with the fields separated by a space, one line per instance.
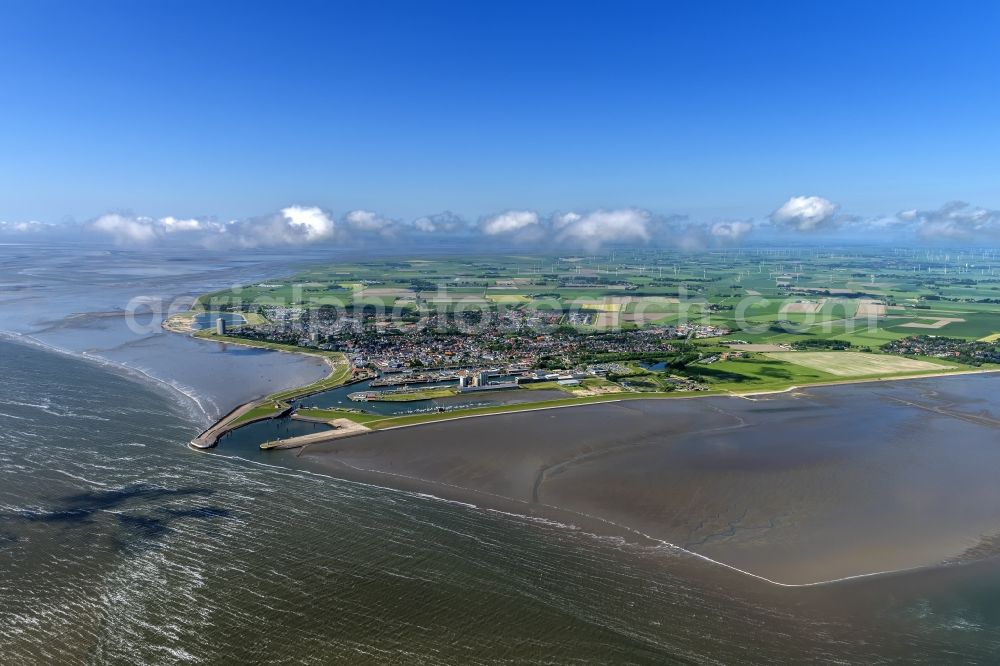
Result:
x=811 y=486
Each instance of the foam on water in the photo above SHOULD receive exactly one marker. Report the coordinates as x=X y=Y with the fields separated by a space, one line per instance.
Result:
x=185 y=396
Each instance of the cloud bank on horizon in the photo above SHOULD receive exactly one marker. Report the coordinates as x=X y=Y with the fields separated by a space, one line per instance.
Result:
x=295 y=226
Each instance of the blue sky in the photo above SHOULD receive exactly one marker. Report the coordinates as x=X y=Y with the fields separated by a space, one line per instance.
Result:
x=712 y=110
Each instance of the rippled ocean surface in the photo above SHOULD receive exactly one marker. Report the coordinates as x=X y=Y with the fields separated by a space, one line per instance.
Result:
x=119 y=545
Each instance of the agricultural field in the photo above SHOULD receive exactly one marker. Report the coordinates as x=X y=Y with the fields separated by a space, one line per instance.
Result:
x=643 y=323
x=757 y=372
x=856 y=364
x=771 y=296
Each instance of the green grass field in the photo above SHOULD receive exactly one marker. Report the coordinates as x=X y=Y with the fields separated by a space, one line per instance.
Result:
x=330 y=414
x=262 y=412
x=410 y=396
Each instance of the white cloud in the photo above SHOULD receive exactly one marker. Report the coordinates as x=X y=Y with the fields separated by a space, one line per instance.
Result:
x=510 y=222
x=592 y=230
x=562 y=220
x=172 y=224
x=294 y=225
x=518 y=226
x=425 y=224
x=126 y=229
x=806 y=214
x=366 y=221
x=730 y=232
x=29 y=227
x=311 y=222
x=692 y=236
x=446 y=222
x=883 y=223
x=291 y=226
x=956 y=220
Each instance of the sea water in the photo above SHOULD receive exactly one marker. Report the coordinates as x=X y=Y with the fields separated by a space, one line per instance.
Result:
x=118 y=544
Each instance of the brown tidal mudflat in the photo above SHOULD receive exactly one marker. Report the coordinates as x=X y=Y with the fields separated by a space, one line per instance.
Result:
x=810 y=486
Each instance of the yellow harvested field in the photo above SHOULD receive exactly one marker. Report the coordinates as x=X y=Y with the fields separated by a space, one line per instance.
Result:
x=937 y=323
x=615 y=303
x=395 y=293
x=465 y=300
x=802 y=307
x=869 y=308
x=641 y=318
x=507 y=298
x=651 y=304
x=990 y=338
x=601 y=306
x=606 y=320
x=856 y=364
x=653 y=299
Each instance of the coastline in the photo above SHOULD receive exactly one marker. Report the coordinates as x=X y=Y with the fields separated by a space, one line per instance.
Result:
x=228 y=423
x=338 y=376
x=600 y=527
x=379 y=463
x=618 y=397
x=394 y=422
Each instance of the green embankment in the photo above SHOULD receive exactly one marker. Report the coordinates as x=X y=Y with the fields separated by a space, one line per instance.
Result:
x=330 y=414
x=254 y=318
x=543 y=386
x=754 y=375
x=409 y=396
x=412 y=419
x=763 y=383
x=264 y=411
